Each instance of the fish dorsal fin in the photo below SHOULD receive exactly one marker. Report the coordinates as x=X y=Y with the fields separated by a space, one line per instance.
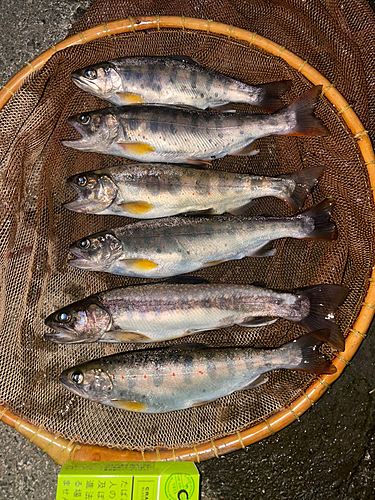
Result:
x=186 y=59
x=192 y=280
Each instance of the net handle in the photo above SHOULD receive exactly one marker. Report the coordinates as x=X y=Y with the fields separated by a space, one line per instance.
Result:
x=62 y=450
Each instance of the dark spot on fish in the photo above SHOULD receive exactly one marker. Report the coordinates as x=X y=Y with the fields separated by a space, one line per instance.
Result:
x=133 y=124
x=193 y=79
x=158 y=250
x=127 y=75
x=138 y=75
x=216 y=94
x=153 y=185
x=150 y=76
x=174 y=185
x=154 y=125
x=173 y=129
x=202 y=95
x=142 y=86
x=241 y=132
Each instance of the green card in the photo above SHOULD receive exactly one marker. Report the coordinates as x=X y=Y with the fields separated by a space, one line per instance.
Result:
x=128 y=481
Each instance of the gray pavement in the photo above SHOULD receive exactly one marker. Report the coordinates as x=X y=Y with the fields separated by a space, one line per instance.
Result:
x=329 y=454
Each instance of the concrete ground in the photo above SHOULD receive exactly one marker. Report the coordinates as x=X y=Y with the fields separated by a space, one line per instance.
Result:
x=329 y=454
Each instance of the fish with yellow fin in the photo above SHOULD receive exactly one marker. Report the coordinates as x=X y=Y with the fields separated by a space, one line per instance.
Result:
x=179 y=377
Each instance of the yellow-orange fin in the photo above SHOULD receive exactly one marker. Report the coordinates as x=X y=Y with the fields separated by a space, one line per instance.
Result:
x=136 y=207
x=128 y=98
x=140 y=264
x=128 y=405
x=136 y=148
x=213 y=263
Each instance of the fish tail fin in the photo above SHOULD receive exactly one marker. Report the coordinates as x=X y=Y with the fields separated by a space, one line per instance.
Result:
x=309 y=358
x=323 y=229
x=270 y=95
x=323 y=302
x=304 y=181
x=300 y=116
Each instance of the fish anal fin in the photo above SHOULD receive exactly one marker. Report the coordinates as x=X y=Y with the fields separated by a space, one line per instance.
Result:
x=197 y=161
x=249 y=150
x=136 y=148
x=213 y=263
x=243 y=209
x=201 y=403
x=127 y=98
x=265 y=251
x=125 y=336
x=262 y=379
x=140 y=264
x=258 y=321
x=136 y=207
x=128 y=405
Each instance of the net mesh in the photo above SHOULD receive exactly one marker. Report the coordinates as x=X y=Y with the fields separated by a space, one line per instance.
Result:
x=35 y=232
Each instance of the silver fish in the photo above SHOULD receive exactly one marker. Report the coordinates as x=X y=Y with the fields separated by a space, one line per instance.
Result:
x=163 y=311
x=173 y=80
x=161 y=248
x=169 y=134
x=149 y=191
x=169 y=379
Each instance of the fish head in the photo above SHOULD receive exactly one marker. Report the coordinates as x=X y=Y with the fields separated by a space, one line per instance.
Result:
x=98 y=130
x=83 y=321
x=96 y=252
x=89 y=380
x=101 y=80
x=96 y=192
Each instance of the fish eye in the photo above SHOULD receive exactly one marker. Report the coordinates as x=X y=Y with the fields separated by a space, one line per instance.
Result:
x=84 y=243
x=82 y=180
x=91 y=74
x=77 y=377
x=84 y=119
x=64 y=317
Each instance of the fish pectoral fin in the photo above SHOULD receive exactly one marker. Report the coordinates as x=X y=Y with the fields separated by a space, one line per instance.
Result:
x=249 y=150
x=241 y=210
x=136 y=207
x=136 y=148
x=264 y=251
x=128 y=405
x=213 y=263
x=262 y=379
x=258 y=321
x=127 y=98
x=201 y=403
x=140 y=264
x=125 y=336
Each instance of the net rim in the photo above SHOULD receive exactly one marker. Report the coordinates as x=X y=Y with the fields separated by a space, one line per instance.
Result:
x=61 y=449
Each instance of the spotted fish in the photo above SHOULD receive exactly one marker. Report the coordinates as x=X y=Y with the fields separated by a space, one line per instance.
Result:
x=173 y=80
x=148 y=191
x=161 y=248
x=181 y=306
x=168 y=379
x=169 y=134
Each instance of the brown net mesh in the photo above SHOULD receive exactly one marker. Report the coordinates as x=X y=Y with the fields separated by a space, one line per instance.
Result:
x=35 y=233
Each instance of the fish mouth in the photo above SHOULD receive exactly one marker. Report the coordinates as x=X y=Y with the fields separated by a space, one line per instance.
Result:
x=85 y=84
x=82 y=143
x=67 y=384
x=81 y=204
x=81 y=263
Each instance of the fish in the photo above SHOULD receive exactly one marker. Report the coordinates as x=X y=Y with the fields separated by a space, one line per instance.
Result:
x=155 y=190
x=161 y=248
x=173 y=80
x=168 y=134
x=175 y=378
x=182 y=306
